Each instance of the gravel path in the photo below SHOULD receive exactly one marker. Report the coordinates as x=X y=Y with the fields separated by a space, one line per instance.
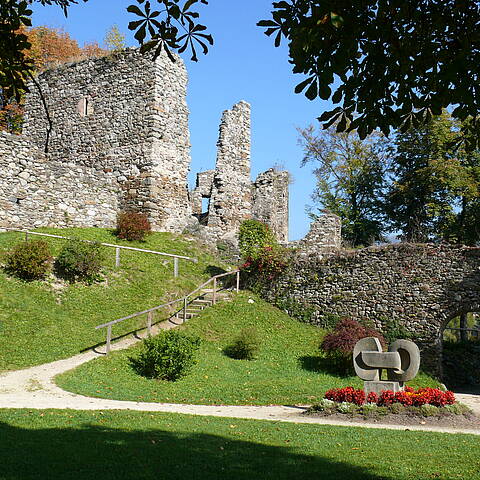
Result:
x=35 y=388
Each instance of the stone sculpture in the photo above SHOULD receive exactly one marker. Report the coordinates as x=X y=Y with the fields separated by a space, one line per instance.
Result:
x=402 y=362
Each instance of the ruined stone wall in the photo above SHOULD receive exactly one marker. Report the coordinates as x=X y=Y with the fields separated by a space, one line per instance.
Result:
x=119 y=140
x=270 y=201
x=203 y=189
x=324 y=237
x=126 y=116
x=231 y=198
x=36 y=191
x=421 y=287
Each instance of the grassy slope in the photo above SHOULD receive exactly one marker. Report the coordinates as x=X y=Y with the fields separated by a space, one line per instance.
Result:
x=65 y=445
x=39 y=323
x=287 y=370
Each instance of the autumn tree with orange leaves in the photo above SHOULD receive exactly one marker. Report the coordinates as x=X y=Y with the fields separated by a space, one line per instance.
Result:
x=50 y=47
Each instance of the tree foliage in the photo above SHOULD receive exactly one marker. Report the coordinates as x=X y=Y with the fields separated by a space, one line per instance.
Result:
x=48 y=47
x=115 y=39
x=350 y=180
x=435 y=190
x=388 y=64
x=171 y=27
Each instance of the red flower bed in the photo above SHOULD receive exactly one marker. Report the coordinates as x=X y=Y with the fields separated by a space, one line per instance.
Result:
x=407 y=397
x=347 y=394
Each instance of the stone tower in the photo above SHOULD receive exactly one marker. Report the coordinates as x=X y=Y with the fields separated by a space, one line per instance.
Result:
x=122 y=116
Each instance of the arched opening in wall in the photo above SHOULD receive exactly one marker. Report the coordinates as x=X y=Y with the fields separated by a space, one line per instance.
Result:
x=461 y=352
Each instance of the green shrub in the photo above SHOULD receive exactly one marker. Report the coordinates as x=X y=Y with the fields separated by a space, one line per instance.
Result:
x=346 y=407
x=429 y=410
x=80 y=260
x=132 y=226
x=253 y=237
x=368 y=409
x=397 y=408
x=168 y=356
x=457 y=409
x=328 y=320
x=29 y=260
x=245 y=346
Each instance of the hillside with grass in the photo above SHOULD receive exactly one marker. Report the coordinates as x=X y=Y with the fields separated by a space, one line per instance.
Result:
x=288 y=369
x=46 y=320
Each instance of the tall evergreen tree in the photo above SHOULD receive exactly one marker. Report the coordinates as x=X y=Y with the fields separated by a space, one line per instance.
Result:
x=434 y=189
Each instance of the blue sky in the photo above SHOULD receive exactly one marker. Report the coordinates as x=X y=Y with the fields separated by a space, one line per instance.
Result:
x=242 y=65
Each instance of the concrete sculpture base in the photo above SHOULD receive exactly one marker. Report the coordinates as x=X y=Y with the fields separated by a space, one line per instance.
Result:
x=378 y=387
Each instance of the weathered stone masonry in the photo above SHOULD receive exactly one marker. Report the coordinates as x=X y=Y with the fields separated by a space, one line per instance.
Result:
x=232 y=195
x=35 y=191
x=270 y=201
x=126 y=116
x=120 y=140
x=420 y=286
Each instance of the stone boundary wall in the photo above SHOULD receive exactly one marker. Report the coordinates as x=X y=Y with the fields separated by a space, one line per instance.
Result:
x=422 y=287
x=38 y=192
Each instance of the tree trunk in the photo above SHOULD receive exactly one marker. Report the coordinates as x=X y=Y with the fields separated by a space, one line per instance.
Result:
x=463 y=326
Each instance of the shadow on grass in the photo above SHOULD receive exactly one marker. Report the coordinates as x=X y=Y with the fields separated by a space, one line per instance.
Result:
x=315 y=363
x=92 y=452
x=213 y=270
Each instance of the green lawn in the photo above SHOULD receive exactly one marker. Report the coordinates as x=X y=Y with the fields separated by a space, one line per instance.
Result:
x=67 y=445
x=287 y=371
x=42 y=321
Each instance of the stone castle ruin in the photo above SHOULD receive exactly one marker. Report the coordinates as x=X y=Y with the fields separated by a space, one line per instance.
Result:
x=120 y=140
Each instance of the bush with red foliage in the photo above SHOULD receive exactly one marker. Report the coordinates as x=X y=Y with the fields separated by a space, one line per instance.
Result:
x=339 y=344
x=133 y=226
x=432 y=396
x=346 y=334
x=268 y=263
x=387 y=397
x=405 y=398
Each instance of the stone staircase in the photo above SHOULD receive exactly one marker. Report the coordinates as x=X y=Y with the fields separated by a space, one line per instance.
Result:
x=204 y=300
x=201 y=298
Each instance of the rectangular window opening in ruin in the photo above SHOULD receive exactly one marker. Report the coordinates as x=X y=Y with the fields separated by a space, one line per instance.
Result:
x=85 y=107
x=205 y=204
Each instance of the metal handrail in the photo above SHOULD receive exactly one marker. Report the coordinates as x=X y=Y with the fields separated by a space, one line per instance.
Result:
x=112 y=245
x=150 y=311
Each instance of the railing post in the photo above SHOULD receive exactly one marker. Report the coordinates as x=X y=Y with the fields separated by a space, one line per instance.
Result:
x=109 y=339
x=149 y=323
x=175 y=267
x=184 y=309
x=26 y=236
x=117 y=257
x=238 y=281
x=214 y=299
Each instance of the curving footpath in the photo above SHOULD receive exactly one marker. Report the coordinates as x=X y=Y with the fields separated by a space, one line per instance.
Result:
x=34 y=388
